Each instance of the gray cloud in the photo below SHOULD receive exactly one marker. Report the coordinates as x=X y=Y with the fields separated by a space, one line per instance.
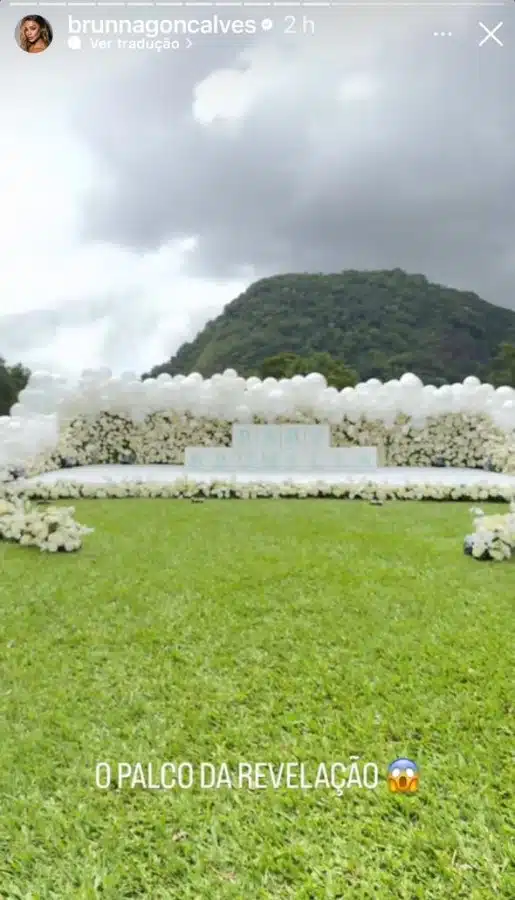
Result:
x=127 y=333
x=420 y=176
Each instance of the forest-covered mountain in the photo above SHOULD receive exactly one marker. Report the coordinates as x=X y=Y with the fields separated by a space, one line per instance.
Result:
x=381 y=323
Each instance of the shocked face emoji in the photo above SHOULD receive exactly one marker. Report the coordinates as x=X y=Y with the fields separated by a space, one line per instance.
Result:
x=403 y=776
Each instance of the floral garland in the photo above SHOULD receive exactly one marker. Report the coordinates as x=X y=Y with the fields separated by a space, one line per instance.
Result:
x=456 y=440
x=52 y=529
x=227 y=489
x=494 y=536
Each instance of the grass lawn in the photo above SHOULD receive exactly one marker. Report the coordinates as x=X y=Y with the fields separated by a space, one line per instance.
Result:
x=249 y=631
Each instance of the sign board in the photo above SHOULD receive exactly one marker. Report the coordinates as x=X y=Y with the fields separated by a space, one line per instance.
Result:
x=280 y=448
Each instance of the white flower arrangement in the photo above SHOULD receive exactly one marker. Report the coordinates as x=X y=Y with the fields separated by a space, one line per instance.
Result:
x=188 y=489
x=493 y=537
x=454 y=440
x=52 y=529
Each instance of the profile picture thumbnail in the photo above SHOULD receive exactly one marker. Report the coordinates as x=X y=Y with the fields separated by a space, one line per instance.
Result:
x=34 y=34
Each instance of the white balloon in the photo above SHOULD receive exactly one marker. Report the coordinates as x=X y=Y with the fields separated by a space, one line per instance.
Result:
x=504 y=393
x=388 y=414
x=315 y=378
x=127 y=377
x=410 y=380
x=243 y=414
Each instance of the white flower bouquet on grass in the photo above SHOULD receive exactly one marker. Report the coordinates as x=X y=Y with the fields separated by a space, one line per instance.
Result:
x=52 y=528
x=493 y=537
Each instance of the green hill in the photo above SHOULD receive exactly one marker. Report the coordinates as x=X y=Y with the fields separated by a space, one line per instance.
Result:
x=381 y=323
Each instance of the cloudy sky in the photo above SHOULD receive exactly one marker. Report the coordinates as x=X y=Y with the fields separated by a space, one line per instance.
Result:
x=141 y=191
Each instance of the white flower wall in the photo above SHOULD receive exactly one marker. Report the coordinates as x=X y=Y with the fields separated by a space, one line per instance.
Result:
x=106 y=419
x=454 y=440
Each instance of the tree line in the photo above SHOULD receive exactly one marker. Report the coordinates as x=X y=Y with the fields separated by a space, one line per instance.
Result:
x=338 y=375
x=12 y=380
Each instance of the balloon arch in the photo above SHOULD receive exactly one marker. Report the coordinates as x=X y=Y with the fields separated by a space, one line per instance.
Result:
x=50 y=403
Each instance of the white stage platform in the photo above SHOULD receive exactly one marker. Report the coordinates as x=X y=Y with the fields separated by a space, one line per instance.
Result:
x=162 y=474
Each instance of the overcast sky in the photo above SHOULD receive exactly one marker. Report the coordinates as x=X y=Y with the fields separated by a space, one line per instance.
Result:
x=141 y=191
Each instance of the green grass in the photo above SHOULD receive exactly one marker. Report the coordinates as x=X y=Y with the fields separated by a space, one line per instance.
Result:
x=257 y=631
